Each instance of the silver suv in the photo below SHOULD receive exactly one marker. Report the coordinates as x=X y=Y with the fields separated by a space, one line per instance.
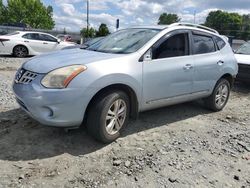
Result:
x=130 y=71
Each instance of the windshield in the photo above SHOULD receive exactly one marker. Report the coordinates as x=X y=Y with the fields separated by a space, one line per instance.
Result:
x=93 y=41
x=244 y=49
x=124 y=41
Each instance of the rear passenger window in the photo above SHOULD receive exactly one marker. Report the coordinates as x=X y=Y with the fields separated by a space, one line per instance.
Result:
x=220 y=43
x=203 y=44
x=174 y=46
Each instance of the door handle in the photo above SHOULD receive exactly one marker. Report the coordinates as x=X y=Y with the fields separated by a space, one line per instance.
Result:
x=45 y=43
x=220 y=62
x=26 y=41
x=187 y=67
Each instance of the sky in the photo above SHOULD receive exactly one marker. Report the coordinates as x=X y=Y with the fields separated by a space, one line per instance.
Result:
x=71 y=14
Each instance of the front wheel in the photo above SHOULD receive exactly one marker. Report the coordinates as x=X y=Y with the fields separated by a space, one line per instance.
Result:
x=219 y=98
x=108 y=115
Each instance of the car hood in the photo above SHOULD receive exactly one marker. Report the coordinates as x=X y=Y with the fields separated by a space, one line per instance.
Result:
x=48 y=62
x=243 y=59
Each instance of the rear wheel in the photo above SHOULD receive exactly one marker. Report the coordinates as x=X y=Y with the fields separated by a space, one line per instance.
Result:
x=108 y=115
x=218 y=100
x=20 y=51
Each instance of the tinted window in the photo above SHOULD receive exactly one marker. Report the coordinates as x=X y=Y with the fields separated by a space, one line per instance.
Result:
x=48 y=38
x=174 y=46
x=32 y=36
x=220 y=43
x=203 y=44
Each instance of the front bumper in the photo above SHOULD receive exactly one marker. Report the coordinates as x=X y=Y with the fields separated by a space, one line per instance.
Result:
x=244 y=72
x=53 y=107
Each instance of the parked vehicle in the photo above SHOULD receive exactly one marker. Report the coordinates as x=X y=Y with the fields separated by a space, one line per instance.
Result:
x=243 y=58
x=86 y=44
x=66 y=38
x=25 y=43
x=129 y=71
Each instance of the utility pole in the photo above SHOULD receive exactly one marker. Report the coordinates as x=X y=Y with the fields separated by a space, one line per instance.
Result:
x=87 y=18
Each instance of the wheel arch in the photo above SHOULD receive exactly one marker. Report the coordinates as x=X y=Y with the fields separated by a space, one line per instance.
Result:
x=229 y=78
x=134 y=104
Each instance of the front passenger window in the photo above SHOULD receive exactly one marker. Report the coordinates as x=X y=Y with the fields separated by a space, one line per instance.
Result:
x=174 y=46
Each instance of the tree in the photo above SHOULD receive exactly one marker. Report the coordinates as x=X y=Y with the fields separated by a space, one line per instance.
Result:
x=88 y=34
x=245 y=27
x=166 y=19
x=2 y=12
x=224 y=22
x=30 y=12
x=102 y=31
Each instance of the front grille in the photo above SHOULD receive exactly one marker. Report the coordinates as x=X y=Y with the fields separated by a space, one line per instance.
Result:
x=25 y=77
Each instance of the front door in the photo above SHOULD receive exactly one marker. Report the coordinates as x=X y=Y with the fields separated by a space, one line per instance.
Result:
x=169 y=74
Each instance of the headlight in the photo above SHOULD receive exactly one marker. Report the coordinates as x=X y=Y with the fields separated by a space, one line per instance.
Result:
x=60 y=78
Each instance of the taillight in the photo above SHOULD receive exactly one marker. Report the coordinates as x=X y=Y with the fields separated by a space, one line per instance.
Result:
x=4 y=40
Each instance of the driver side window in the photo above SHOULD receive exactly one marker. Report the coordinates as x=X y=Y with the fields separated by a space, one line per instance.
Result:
x=174 y=46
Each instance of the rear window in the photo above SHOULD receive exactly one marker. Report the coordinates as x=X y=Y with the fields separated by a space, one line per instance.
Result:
x=220 y=43
x=203 y=44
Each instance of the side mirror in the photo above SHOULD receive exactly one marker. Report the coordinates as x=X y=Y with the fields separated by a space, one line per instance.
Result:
x=58 y=41
x=148 y=55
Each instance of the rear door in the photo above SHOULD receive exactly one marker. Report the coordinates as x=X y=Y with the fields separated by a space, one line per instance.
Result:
x=33 y=41
x=208 y=62
x=49 y=43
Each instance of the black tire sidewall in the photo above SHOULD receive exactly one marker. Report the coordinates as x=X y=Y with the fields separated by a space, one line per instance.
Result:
x=15 y=54
x=100 y=111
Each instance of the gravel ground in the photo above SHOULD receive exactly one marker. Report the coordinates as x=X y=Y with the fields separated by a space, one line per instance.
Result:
x=178 y=146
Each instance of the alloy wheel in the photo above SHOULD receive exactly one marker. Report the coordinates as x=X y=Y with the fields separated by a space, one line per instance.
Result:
x=116 y=116
x=221 y=95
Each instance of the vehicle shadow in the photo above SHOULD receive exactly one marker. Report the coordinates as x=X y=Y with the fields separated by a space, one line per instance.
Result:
x=22 y=138
x=11 y=56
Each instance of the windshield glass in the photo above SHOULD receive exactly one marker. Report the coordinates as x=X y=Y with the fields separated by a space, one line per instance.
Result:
x=244 y=49
x=124 y=41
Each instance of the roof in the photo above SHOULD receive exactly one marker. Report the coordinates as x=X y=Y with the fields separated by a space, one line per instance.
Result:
x=161 y=27
x=181 y=24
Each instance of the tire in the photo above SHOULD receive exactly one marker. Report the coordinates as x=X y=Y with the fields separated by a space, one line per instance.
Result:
x=219 y=98
x=103 y=123
x=20 y=51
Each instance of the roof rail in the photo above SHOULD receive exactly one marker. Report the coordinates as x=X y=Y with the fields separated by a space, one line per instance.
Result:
x=194 y=25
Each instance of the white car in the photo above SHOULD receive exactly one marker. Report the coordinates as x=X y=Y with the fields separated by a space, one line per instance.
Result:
x=243 y=58
x=25 y=43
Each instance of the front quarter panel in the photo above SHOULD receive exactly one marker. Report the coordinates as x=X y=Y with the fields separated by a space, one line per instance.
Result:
x=123 y=70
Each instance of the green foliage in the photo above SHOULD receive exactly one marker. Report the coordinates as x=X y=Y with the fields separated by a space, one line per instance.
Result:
x=224 y=22
x=245 y=27
x=90 y=33
x=232 y=24
x=30 y=12
x=2 y=12
x=166 y=19
x=102 y=31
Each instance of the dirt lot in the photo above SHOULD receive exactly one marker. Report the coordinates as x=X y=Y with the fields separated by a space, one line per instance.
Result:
x=178 y=146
